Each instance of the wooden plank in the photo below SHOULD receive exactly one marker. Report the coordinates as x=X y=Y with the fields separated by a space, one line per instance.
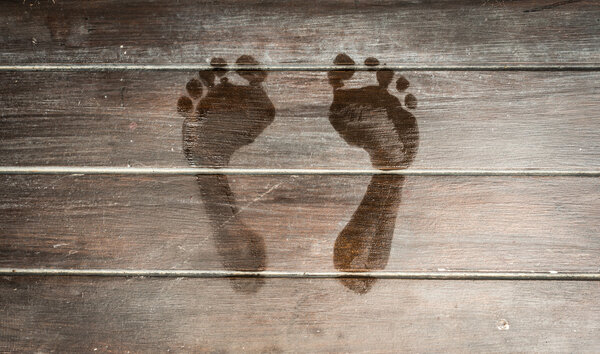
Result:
x=301 y=223
x=285 y=315
x=467 y=120
x=299 y=31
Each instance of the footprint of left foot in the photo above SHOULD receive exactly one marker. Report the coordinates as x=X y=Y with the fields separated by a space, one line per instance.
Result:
x=220 y=118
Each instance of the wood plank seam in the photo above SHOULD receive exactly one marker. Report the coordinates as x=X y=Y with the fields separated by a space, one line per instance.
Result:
x=446 y=275
x=304 y=67
x=158 y=171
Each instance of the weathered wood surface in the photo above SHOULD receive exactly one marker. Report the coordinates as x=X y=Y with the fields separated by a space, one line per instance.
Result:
x=207 y=315
x=467 y=120
x=299 y=31
x=316 y=223
x=451 y=223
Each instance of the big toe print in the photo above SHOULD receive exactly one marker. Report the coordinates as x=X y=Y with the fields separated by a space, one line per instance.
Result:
x=373 y=119
x=220 y=118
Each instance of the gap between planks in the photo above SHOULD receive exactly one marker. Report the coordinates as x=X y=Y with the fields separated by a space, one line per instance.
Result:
x=100 y=170
x=439 y=275
x=297 y=67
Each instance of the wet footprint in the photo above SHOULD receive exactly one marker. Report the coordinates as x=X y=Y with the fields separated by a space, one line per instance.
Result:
x=373 y=119
x=220 y=118
x=226 y=117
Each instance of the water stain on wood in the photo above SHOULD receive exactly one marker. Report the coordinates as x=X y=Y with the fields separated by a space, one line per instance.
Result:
x=365 y=242
x=224 y=118
x=373 y=119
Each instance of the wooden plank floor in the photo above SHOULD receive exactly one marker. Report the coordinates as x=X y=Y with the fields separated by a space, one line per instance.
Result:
x=466 y=120
x=302 y=32
x=444 y=200
x=205 y=315
x=158 y=222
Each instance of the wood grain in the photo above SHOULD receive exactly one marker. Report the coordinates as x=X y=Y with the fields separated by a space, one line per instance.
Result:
x=315 y=223
x=200 y=315
x=298 y=31
x=467 y=120
x=449 y=223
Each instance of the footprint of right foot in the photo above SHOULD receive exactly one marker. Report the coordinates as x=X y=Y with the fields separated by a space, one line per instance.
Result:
x=373 y=119
x=220 y=118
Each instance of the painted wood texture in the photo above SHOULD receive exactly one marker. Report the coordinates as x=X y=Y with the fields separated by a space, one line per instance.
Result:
x=299 y=31
x=206 y=315
x=451 y=223
x=467 y=120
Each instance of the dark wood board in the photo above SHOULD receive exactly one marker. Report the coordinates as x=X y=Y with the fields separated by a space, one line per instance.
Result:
x=443 y=223
x=310 y=32
x=467 y=120
x=296 y=315
x=532 y=104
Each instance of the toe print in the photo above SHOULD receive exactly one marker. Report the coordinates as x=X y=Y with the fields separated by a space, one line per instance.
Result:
x=409 y=100
x=220 y=118
x=373 y=119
